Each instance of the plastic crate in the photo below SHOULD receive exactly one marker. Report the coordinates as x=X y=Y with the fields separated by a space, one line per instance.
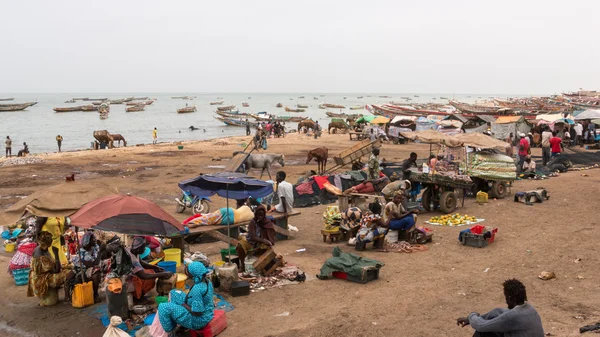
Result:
x=214 y=327
x=21 y=276
x=476 y=240
x=370 y=275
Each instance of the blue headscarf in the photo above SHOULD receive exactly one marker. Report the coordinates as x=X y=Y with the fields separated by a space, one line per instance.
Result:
x=197 y=270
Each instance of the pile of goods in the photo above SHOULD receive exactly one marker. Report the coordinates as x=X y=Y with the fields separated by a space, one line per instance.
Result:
x=452 y=220
x=492 y=166
x=22 y=161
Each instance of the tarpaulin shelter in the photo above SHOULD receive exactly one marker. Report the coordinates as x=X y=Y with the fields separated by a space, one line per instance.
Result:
x=380 y=120
x=479 y=140
x=505 y=125
x=424 y=123
x=588 y=114
x=126 y=214
x=432 y=137
x=365 y=119
x=56 y=201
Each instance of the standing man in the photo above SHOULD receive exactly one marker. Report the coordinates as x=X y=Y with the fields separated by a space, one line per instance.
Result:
x=591 y=132
x=523 y=150
x=8 y=146
x=555 y=144
x=546 y=135
x=374 y=164
x=154 y=136
x=578 y=133
x=247 y=127
x=59 y=140
x=285 y=192
x=317 y=130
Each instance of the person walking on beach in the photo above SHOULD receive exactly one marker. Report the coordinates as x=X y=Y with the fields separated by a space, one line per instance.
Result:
x=8 y=146
x=154 y=136
x=546 y=135
x=59 y=140
x=247 y=127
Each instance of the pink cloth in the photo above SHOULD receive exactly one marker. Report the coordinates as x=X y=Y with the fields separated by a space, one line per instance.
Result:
x=156 y=329
x=305 y=188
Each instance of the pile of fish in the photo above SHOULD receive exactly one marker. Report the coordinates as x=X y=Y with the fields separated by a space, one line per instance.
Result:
x=22 y=161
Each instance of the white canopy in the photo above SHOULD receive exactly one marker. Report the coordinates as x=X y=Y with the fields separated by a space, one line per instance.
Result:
x=403 y=118
x=588 y=114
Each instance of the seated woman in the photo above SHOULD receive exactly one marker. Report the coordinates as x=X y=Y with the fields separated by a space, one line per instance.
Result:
x=396 y=215
x=261 y=236
x=94 y=265
x=46 y=274
x=192 y=311
x=372 y=228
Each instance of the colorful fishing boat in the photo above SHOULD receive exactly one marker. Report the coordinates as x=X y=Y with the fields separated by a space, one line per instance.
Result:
x=135 y=108
x=226 y=108
x=187 y=109
x=217 y=102
x=293 y=110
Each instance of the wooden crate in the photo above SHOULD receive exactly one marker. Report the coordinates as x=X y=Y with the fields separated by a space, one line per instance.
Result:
x=355 y=152
x=236 y=162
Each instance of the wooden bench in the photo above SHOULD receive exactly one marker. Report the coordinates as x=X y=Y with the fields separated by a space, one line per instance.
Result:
x=281 y=228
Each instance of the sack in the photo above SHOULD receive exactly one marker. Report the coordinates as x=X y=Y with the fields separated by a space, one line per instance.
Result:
x=112 y=330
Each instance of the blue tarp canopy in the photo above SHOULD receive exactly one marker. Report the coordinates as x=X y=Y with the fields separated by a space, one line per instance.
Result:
x=227 y=185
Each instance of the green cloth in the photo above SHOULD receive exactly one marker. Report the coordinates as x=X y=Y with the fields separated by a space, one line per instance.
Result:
x=365 y=119
x=349 y=263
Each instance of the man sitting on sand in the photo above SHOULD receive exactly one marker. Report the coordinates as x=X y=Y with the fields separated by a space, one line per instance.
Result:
x=519 y=320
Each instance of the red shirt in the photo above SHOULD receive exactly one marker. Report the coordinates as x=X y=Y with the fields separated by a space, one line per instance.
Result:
x=555 y=144
x=524 y=144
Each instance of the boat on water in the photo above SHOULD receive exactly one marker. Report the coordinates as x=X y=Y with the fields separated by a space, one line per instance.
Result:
x=384 y=96
x=279 y=105
x=89 y=107
x=6 y=99
x=217 y=102
x=343 y=115
x=141 y=98
x=94 y=99
x=226 y=108
x=139 y=107
x=331 y=106
x=345 y=97
x=16 y=107
x=70 y=101
x=70 y=108
x=315 y=97
x=128 y=99
x=302 y=106
x=233 y=114
x=300 y=96
x=236 y=122
x=357 y=107
x=293 y=110
x=359 y=97
x=117 y=101
x=442 y=97
x=249 y=97
x=264 y=117
x=245 y=104
x=187 y=109
x=183 y=97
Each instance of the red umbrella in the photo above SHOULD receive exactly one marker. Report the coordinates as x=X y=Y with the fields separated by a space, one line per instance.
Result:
x=126 y=214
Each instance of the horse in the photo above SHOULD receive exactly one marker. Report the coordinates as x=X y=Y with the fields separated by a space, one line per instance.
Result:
x=320 y=154
x=308 y=123
x=117 y=137
x=337 y=125
x=262 y=161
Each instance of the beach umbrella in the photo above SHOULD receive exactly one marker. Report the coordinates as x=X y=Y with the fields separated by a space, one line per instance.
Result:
x=227 y=185
x=380 y=120
x=126 y=214
x=365 y=119
x=56 y=201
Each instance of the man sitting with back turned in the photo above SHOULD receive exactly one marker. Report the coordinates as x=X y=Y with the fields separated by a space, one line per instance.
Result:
x=519 y=320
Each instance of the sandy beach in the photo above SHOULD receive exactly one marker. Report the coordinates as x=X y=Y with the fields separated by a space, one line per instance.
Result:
x=418 y=294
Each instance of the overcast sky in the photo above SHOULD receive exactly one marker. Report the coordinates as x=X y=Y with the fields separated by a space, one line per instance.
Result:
x=434 y=46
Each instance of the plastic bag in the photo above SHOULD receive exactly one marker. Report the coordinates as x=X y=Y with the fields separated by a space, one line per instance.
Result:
x=112 y=330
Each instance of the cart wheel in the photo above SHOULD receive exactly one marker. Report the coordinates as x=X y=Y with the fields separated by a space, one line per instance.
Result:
x=498 y=189
x=448 y=202
x=395 y=141
x=427 y=198
x=179 y=208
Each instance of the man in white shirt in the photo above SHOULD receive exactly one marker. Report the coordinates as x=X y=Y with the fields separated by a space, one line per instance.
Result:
x=285 y=192
x=578 y=133
x=546 y=135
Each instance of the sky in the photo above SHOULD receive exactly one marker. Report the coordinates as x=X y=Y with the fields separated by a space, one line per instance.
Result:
x=434 y=46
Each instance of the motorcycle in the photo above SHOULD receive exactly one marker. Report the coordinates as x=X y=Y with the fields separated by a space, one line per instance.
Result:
x=197 y=204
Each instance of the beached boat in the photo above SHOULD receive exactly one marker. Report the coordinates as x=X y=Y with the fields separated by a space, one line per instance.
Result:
x=343 y=115
x=187 y=109
x=384 y=96
x=294 y=110
x=139 y=107
x=217 y=102
x=245 y=104
x=6 y=99
x=331 y=106
x=475 y=109
x=357 y=107
x=226 y=108
x=302 y=106
x=14 y=107
x=89 y=107
x=279 y=105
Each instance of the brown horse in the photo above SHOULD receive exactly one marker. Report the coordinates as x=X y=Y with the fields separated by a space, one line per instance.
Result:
x=320 y=154
x=309 y=123
x=337 y=125
x=118 y=138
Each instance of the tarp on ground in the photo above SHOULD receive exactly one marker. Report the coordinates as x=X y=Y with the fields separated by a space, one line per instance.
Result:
x=380 y=120
x=481 y=141
x=588 y=114
x=57 y=201
x=351 y=264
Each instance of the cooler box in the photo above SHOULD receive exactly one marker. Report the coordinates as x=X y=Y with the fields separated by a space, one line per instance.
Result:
x=214 y=327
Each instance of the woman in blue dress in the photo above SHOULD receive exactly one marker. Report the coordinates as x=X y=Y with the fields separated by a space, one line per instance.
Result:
x=193 y=310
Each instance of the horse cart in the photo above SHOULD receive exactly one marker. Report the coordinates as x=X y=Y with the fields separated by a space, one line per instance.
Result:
x=442 y=191
x=354 y=154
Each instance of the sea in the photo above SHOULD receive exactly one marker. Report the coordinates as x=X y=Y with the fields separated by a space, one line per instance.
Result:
x=39 y=125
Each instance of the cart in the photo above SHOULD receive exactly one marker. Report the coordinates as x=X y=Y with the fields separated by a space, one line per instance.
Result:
x=441 y=191
x=353 y=154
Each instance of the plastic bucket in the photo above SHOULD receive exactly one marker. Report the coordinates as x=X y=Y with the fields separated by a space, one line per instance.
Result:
x=21 y=276
x=170 y=266
x=10 y=247
x=249 y=264
x=173 y=254
x=181 y=278
x=161 y=299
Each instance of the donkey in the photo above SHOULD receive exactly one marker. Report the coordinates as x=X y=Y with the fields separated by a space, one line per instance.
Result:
x=262 y=161
x=320 y=154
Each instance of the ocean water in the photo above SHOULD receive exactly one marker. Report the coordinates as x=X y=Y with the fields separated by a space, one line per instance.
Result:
x=38 y=125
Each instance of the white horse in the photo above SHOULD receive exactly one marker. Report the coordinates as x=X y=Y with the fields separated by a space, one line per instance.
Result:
x=262 y=161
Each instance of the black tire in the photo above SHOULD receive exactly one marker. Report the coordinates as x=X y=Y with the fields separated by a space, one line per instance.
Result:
x=426 y=199
x=179 y=208
x=448 y=202
x=498 y=190
x=201 y=207
x=395 y=141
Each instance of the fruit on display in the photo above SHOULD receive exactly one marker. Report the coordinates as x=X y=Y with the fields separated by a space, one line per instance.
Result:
x=455 y=219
